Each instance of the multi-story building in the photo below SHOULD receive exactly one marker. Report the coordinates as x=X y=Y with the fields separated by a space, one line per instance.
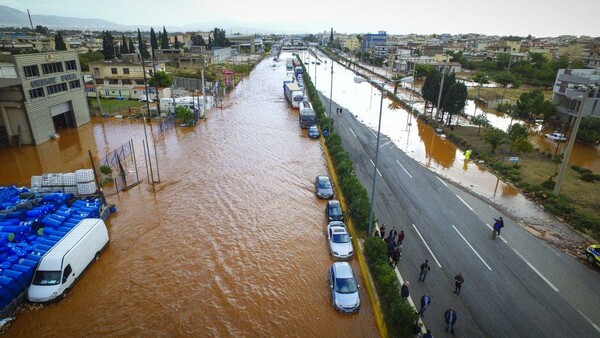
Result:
x=351 y=42
x=369 y=41
x=40 y=95
x=568 y=91
x=592 y=58
x=122 y=79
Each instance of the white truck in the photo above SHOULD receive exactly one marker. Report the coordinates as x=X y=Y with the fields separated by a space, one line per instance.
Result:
x=293 y=93
x=63 y=265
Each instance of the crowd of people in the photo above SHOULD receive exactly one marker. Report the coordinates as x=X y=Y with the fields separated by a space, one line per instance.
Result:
x=394 y=240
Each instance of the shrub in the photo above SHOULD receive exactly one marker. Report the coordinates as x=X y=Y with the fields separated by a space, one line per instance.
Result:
x=588 y=177
x=575 y=167
x=559 y=205
x=549 y=184
x=585 y=171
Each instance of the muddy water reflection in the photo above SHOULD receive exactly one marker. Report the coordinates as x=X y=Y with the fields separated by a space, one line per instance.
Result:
x=231 y=244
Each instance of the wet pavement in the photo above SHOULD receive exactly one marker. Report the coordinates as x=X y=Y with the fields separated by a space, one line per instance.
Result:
x=231 y=244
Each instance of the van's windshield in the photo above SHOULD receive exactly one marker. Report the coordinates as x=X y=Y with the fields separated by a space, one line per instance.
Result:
x=47 y=277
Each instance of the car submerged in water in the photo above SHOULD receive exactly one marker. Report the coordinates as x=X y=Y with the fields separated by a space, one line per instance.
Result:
x=558 y=137
x=323 y=187
x=313 y=132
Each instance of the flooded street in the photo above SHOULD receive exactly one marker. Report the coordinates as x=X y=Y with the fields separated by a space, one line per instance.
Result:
x=231 y=244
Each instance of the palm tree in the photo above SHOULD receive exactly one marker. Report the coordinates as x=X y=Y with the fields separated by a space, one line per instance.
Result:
x=396 y=79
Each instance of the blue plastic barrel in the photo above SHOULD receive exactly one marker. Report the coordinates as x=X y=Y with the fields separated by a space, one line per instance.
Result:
x=34 y=213
x=10 y=287
x=27 y=262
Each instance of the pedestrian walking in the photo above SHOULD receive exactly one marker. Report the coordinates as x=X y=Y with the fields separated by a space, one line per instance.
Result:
x=404 y=292
x=390 y=246
x=425 y=301
x=341 y=111
x=458 y=281
x=401 y=236
x=496 y=230
x=424 y=270
x=382 y=231
x=450 y=317
x=500 y=223
x=428 y=334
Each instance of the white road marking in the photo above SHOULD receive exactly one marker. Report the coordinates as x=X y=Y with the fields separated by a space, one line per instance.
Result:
x=409 y=175
x=372 y=132
x=410 y=301
x=502 y=238
x=427 y=246
x=373 y=163
x=465 y=203
x=536 y=271
x=470 y=246
x=352 y=131
x=589 y=320
x=444 y=183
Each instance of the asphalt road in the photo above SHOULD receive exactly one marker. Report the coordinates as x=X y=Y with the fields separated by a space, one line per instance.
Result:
x=515 y=286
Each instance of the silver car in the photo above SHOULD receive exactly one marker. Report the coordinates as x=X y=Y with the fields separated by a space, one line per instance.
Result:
x=344 y=290
x=340 y=242
x=324 y=187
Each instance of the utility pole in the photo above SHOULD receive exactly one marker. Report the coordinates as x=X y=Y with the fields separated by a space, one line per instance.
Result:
x=437 y=113
x=565 y=161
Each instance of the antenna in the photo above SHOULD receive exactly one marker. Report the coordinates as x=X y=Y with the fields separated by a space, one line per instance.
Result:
x=30 y=22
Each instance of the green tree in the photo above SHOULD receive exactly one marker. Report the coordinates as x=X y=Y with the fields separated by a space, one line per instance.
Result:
x=142 y=47
x=163 y=79
x=164 y=39
x=516 y=132
x=481 y=79
x=153 y=40
x=124 y=49
x=455 y=99
x=505 y=79
x=108 y=46
x=480 y=120
x=494 y=137
x=176 y=45
x=131 y=46
x=589 y=131
x=198 y=40
x=396 y=79
x=331 y=38
x=86 y=58
x=185 y=114
x=41 y=29
x=59 y=42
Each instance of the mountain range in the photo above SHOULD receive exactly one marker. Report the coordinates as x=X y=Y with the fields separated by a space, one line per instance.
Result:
x=10 y=17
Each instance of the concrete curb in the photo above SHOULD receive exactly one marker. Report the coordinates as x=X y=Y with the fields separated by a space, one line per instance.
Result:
x=368 y=279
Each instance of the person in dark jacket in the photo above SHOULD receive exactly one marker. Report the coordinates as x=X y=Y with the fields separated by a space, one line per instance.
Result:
x=428 y=334
x=425 y=301
x=404 y=292
x=382 y=231
x=424 y=270
x=458 y=281
x=401 y=236
x=450 y=317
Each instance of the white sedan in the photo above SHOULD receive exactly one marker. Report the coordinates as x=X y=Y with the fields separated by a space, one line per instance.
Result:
x=556 y=137
x=340 y=242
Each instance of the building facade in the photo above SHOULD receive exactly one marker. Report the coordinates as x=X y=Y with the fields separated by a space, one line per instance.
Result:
x=568 y=91
x=121 y=79
x=44 y=95
x=369 y=41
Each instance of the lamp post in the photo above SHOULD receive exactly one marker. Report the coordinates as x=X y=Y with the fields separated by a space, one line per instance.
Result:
x=358 y=79
x=565 y=161
x=330 y=94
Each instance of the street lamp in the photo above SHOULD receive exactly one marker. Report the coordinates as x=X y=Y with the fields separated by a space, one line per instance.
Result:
x=330 y=94
x=358 y=79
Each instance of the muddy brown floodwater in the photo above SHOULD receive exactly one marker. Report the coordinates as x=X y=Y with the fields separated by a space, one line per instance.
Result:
x=231 y=244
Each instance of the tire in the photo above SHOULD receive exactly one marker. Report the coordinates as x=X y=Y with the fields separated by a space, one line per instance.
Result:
x=97 y=256
x=591 y=259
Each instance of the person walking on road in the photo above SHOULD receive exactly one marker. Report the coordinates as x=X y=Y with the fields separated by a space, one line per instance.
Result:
x=425 y=301
x=393 y=233
x=417 y=329
x=458 y=281
x=404 y=292
x=496 y=230
x=390 y=246
x=500 y=222
x=424 y=270
x=450 y=317
x=382 y=231
x=396 y=254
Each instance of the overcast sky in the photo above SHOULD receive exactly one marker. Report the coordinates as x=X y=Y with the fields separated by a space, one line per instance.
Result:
x=505 y=17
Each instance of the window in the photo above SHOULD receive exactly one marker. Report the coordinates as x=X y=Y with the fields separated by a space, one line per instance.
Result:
x=71 y=65
x=126 y=82
x=31 y=71
x=35 y=93
x=126 y=71
x=113 y=82
x=50 y=68
x=74 y=84
x=113 y=71
x=57 y=88
x=66 y=273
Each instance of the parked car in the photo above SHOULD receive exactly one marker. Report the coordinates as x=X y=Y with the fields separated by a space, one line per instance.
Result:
x=313 y=132
x=334 y=211
x=143 y=99
x=324 y=187
x=340 y=242
x=344 y=289
x=556 y=137
x=593 y=254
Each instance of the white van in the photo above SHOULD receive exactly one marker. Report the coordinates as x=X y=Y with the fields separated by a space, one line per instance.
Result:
x=62 y=265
